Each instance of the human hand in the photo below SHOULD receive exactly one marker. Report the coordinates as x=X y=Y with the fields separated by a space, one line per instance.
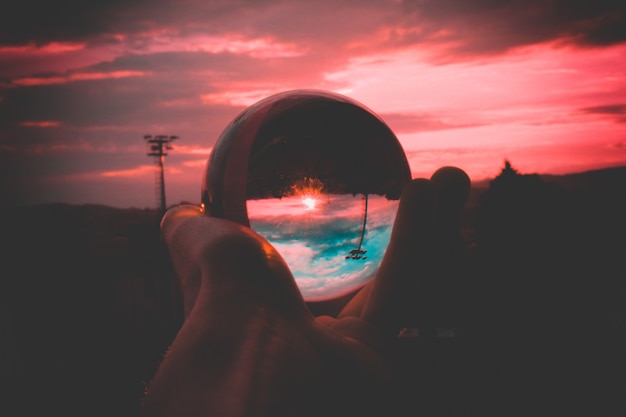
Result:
x=249 y=344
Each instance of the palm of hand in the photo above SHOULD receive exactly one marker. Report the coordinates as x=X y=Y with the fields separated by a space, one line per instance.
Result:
x=249 y=345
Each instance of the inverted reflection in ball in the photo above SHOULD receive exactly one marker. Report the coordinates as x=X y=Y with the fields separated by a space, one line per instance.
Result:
x=319 y=176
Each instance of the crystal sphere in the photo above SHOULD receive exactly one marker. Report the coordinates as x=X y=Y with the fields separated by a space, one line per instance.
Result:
x=319 y=176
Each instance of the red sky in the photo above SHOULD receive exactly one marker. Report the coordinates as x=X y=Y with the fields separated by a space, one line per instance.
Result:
x=542 y=84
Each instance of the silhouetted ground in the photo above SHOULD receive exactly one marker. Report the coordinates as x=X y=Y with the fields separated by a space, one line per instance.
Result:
x=541 y=317
x=89 y=304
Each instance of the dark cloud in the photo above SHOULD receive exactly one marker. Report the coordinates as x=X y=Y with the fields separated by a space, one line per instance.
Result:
x=170 y=93
x=109 y=113
x=42 y=21
x=113 y=113
x=491 y=26
x=204 y=66
x=101 y=102
x=503 y=24
x=101 y=20
x=107 y=101
x=480 y=26
x=617 y=111
x=606 y=109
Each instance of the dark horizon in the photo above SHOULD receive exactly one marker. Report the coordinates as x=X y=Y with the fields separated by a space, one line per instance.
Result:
x=477 y=184
x=93 y=304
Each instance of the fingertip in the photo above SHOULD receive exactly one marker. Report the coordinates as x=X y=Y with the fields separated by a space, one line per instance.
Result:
x=415 y=208
x=452 y=184
x=417 y=188
x=172 y=218
x=426 y=205
x=450 y=172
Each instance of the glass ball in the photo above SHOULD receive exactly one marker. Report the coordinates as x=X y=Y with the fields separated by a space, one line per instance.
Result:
x=319 y=176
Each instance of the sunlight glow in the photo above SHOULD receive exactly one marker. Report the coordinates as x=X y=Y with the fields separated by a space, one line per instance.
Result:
x=309 y=202
x=308 y=187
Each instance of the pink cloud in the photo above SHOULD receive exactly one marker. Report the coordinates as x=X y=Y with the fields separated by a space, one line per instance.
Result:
x=78 y=76
x=80 y=146
x=191 y=150
x=168 y=40
x=556 y=149
x=246 y=97
x=41 y=123
x=484 y=91
x=49 y=48
x=140 y=171
x=196 y=163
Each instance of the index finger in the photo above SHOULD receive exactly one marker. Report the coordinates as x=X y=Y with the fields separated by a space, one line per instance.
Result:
x=403 y=258
x=425 y=230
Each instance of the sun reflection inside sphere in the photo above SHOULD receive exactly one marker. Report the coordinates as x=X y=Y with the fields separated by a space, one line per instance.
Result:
x=309 y=202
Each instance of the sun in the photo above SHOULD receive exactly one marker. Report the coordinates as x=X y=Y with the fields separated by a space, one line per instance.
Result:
x=309 y=190
x=309 y=202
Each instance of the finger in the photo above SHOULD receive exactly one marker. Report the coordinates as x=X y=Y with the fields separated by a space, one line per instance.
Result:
x=452 y=187
x=410 y=226
x=425 y=237
x=438 y=300
x=406 y=254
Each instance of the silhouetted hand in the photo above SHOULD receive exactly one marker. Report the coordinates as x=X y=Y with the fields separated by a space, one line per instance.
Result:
x=249 y=345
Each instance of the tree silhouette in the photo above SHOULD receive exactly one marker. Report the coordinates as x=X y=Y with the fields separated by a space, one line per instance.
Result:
x=545 y=300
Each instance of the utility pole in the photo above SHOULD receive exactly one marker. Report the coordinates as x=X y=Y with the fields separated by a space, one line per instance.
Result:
x=158 y=146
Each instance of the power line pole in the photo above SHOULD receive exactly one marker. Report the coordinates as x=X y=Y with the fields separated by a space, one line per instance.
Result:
x=158 y=146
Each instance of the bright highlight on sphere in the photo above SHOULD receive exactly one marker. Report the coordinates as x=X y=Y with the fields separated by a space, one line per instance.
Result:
x=319 y=176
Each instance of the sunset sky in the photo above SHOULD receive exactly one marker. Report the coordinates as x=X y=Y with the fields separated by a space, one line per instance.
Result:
x=465 y=83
